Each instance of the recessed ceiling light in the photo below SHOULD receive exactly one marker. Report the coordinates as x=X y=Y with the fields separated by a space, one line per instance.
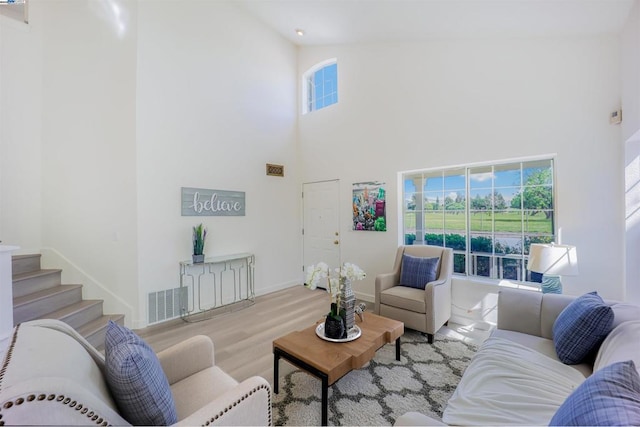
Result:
x=300 y=32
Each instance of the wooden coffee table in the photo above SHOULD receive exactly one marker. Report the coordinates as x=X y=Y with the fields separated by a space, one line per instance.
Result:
x=330 y=361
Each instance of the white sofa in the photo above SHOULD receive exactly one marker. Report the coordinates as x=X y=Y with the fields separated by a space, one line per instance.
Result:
x=52 y=376
x=516 y=378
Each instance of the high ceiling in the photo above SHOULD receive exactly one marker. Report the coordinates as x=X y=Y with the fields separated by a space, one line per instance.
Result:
x=363 y=21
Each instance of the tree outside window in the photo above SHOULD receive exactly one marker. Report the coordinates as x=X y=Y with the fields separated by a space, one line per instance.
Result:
x=489 y=215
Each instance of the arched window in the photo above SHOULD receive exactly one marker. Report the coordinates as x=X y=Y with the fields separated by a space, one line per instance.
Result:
x=320 y=86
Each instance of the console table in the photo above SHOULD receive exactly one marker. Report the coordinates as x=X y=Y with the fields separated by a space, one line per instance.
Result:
x=221 y=283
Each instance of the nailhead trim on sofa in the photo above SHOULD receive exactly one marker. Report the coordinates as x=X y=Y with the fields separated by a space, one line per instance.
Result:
x=40 y=397
x=7 y=358
x=234 y=404
x=97 y=419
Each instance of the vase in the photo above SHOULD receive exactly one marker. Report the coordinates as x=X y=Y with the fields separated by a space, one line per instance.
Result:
x=198 y=259
x=333 y=327
x=347 y=303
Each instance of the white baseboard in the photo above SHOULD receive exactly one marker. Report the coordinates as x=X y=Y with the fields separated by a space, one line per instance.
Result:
x=277 y=287
x=365 y=297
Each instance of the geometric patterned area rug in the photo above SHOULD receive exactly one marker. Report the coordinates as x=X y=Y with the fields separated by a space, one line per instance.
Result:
x=422 y=381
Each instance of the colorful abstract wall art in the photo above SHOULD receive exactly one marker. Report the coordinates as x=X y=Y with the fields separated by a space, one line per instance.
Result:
x=369 y=202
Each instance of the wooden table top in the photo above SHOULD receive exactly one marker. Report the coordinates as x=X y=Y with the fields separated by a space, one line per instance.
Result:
x=338 y=359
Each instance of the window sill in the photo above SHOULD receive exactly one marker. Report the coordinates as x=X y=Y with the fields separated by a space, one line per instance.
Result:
x=530 y=286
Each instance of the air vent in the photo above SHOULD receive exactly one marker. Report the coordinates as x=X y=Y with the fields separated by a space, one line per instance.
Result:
x=165 y=305
x=275 y=170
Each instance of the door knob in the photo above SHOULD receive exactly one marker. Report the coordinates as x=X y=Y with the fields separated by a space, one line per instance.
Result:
x=335 y=242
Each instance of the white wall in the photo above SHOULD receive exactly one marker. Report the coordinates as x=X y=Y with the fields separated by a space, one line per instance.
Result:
x=216 y=99
x=115 y=105
x=20 y=151
x=630 y=73
x=430 y=104
x=89 y=207
x=632 y=219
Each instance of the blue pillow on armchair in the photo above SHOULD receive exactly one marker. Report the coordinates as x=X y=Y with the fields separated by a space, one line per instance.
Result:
x=416 y=272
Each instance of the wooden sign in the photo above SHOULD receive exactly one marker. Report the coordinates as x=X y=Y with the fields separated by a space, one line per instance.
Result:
x=205 y=202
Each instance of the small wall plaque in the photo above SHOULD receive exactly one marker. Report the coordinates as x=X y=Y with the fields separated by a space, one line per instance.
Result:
x=205 y=202
x=275 y=170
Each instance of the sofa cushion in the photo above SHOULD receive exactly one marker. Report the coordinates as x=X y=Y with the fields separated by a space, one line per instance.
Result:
x=541 y=345
x=416 y=272
x=136 y=379
x=624 y=312
x=198 y=390
x=581 y=327
x=611 y=396
x=520 y=309
x=623 y=343
x=405 y=297
x=507 y=383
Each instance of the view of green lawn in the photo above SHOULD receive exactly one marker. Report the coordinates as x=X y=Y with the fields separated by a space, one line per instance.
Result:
x=489 y=215
x=505 y=222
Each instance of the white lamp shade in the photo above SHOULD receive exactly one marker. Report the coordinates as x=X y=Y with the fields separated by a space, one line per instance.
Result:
x=556 y=260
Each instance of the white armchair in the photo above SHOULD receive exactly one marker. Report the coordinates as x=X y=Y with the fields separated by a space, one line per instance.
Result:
x=423 y=310
x=52 y=376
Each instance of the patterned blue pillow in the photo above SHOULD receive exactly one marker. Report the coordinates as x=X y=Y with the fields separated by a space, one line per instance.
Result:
x=417 y=272
x=609 y=397
x=136 y=379
x=581 y=327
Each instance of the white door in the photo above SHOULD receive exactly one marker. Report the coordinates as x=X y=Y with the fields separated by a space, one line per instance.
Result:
x=321 y=223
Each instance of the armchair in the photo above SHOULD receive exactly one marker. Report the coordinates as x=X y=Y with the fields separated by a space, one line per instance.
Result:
x=423 y=310
x=52 y=376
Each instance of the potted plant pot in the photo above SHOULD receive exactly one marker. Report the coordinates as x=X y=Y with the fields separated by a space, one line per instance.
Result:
x=199 y=236
x=334 y=327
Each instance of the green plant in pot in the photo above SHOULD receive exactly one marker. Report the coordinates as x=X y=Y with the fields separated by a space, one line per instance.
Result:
x=199 y=236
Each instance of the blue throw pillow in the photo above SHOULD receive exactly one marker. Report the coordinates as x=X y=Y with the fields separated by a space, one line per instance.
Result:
x=581 y=327
x=136 y=379
x=416 y=272
x=609 y=397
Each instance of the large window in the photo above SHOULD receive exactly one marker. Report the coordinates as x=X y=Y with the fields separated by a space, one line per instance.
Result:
x=488 y=214
x=320 y=86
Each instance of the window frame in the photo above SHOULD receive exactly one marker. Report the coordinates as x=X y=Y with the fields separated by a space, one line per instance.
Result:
x=495 y=258
x=308 y=97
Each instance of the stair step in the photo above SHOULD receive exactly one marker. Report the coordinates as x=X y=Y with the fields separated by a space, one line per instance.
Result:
x=34 y=281
x=76 y=315
x=95 y=331
x=38 y=304
x=25 y=263
x=39 y=294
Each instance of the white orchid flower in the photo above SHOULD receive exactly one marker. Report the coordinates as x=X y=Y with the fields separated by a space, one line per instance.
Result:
x=315 y=273
x=320 y=271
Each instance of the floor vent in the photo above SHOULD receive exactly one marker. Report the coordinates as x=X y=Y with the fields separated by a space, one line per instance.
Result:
x=165 y=305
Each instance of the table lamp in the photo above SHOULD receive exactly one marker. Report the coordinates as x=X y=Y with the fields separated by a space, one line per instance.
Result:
x=553 y=261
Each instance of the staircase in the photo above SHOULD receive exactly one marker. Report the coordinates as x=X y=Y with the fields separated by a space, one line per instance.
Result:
x=39 y=294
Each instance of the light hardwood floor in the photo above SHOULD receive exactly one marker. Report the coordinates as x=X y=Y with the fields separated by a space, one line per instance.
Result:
x=243 y=338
